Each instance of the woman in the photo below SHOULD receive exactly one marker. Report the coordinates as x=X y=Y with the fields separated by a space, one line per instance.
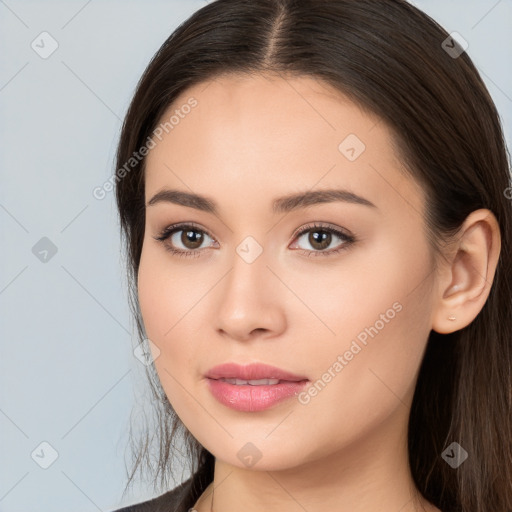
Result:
x=315 y=202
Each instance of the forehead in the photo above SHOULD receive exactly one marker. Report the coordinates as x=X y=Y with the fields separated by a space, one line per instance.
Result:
x=282 y=104
x=265 y=132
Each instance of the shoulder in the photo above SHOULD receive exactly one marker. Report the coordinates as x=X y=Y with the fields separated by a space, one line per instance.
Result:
x=168 y=502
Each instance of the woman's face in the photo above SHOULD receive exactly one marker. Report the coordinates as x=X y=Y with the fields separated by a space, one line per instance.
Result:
x=345 y=306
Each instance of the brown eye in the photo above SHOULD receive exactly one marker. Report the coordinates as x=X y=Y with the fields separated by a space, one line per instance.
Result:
x=184 y=239
x=191 y=238
x=319 y=239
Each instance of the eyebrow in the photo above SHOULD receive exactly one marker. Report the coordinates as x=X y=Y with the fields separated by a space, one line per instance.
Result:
x=280 y=205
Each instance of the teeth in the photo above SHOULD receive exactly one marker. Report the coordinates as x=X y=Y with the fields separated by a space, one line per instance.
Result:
x=258 y=382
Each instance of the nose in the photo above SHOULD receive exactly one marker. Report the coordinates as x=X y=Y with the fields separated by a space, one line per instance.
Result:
x=251 y=301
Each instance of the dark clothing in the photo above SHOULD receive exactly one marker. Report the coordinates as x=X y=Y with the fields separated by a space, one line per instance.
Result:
x=179 y=499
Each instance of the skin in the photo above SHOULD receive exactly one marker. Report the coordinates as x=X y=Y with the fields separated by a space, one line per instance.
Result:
x=248 y=141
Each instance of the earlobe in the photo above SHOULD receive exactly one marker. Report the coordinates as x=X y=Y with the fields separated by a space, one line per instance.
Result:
x=467 y=273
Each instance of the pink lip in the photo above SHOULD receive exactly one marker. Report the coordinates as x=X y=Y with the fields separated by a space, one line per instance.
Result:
x=251 y=371
x=252 y=398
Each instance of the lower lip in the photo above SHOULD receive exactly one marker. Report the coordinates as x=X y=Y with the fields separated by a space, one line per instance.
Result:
x=253 y=398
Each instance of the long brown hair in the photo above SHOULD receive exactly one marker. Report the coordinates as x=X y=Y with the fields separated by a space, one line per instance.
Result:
x=389 y=58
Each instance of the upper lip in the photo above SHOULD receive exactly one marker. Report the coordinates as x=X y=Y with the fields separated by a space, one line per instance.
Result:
x=254 y=371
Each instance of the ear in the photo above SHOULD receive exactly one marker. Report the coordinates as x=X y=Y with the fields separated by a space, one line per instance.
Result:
x=466 y=272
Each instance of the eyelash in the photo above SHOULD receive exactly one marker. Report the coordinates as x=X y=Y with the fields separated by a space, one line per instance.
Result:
x=170 y=230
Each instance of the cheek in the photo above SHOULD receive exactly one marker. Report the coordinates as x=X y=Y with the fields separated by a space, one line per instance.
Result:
x=162 y=307
x=379 y=313
x=165 y=293
x=378 y=295
x=379 y=288
x=170 y=303
x=164 y=300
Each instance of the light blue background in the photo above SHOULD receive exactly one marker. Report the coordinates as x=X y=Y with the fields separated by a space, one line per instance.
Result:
x=67 y=372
